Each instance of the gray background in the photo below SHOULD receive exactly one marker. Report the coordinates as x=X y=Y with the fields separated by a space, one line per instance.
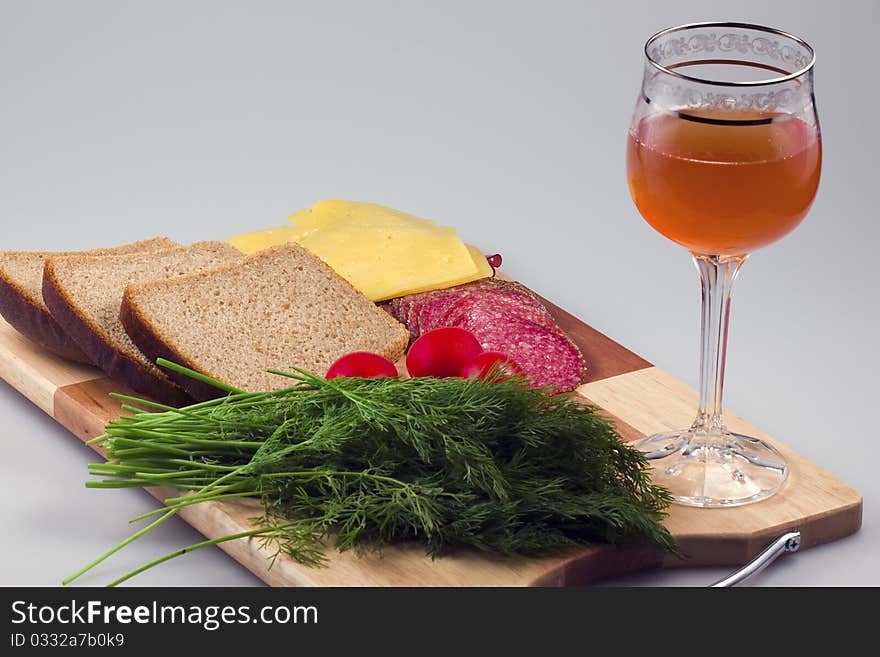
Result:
x=123 y=120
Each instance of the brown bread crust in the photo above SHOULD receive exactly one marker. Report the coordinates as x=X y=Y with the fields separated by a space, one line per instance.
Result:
x=35 y=323
x=32 y=318
x=92 y=342
x=154 y=347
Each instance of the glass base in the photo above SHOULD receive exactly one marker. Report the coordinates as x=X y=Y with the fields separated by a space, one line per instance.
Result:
x=717 y=469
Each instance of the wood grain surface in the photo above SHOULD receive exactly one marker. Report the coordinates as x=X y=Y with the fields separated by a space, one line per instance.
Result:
x=640 y=397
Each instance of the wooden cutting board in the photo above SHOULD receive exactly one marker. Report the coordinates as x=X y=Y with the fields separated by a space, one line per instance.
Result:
x=642 y=399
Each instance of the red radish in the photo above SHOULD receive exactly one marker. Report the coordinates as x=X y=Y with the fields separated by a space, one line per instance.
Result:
x=442 y=352
x=483 y=363
x=363 y=364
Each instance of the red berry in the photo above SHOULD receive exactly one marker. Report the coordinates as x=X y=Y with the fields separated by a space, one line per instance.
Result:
x=494 y=260
x=363 y=364
x=442 y=352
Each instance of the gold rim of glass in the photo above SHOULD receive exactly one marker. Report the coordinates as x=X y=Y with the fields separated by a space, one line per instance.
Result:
x=750 y=26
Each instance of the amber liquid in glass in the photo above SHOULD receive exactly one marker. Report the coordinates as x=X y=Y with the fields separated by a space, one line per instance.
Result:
x=723 y=184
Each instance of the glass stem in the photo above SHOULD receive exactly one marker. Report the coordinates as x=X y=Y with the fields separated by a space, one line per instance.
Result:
x=717 y=275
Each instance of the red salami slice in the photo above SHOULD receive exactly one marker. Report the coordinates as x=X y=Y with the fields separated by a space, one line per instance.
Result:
x=428 y=300
x=407 y=308
x=504 y=316
x=511 y=286
x=397 y=307
x=502 y=299
x=431 y=304
x=438 y=310
x=402 y=307
x=547 y=355
x=430 y=313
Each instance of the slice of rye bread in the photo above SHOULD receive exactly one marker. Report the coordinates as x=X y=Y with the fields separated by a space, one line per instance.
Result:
x=279 y=308
x=84 y=294
x=21 y=294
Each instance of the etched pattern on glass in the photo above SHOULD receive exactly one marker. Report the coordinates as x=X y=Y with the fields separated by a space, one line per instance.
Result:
x=673 y=49
x=793 y=97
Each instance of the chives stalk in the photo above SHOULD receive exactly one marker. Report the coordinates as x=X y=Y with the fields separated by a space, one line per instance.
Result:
x=112 y=551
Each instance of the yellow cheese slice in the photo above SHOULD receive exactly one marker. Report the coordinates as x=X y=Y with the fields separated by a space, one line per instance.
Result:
x=385 y=262
x=262 y=239
x=382 y=252
x=324 y=214
x=484 y=269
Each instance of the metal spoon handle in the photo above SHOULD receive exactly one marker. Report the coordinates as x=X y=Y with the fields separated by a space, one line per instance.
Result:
x=786 y=543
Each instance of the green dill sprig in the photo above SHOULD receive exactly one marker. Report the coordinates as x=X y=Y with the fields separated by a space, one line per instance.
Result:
x=493 y=465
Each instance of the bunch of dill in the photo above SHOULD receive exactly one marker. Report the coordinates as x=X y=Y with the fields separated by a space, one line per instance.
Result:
x=493 y=465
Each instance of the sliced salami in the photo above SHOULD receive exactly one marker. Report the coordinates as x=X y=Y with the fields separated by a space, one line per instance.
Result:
x=504 y=316
x=511 y=286
x=431 y=312
x=428 y=300
x=394 y=307
x=508 y=300
x=437 y=310
x=548 y=357
x=402 y=306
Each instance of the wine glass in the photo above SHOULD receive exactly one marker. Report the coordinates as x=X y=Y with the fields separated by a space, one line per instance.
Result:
x=723 y=157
